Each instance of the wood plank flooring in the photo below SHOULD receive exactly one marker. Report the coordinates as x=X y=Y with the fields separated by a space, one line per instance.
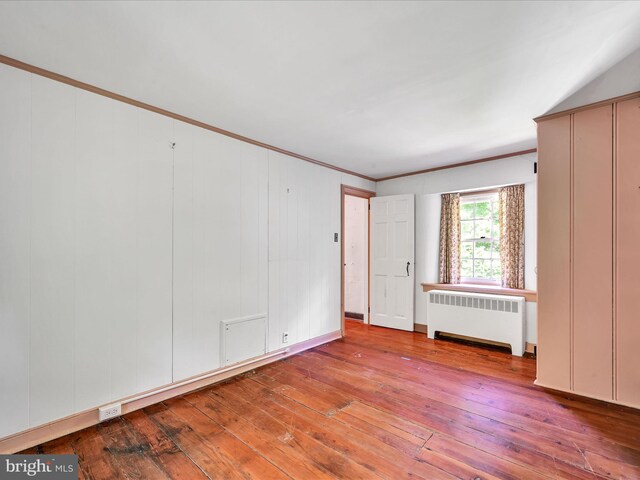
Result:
x=379 y=403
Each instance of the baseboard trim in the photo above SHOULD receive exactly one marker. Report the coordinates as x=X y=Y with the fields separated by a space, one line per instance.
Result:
x=582 y=396
x=419 y=328
x=58 y=428
x=530 y=348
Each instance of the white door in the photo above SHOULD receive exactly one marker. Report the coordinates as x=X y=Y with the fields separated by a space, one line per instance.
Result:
x=392 y=261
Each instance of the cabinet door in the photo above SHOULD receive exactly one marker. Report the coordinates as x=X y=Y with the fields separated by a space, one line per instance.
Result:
x=593 y=252
x=554 y=241
x=628 y=251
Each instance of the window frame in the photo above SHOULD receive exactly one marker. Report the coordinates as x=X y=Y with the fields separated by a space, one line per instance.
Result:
x=476 y=196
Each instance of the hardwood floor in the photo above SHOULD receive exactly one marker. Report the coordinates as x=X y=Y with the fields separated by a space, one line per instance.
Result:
x=377 y=404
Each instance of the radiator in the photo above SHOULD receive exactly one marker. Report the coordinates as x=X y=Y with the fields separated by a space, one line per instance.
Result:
x=498 y=318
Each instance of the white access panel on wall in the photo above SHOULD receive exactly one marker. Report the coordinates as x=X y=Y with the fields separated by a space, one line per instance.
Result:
x=242 y=338
x=392 y=261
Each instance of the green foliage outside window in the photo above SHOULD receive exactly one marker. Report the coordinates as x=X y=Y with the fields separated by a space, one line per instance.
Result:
x=480 y=238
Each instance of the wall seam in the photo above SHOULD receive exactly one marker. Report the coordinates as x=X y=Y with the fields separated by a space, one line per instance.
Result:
x=614 y=233
x=268 y=252
x=173 y=241
x=571 y=250
x=30 y=246
x=75 y=244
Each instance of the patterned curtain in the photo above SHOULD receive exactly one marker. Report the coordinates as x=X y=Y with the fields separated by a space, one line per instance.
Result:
x=450 y=238
x=512 y=236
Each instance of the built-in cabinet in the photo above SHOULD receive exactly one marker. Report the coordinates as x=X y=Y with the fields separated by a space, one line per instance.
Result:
x=588 y=254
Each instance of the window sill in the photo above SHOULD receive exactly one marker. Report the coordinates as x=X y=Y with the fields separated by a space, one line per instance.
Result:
x=529 y=295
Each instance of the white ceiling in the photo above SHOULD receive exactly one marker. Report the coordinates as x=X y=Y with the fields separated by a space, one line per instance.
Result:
x=379 y=88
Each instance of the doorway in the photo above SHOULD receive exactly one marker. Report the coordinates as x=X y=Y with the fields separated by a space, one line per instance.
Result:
x=355 y=257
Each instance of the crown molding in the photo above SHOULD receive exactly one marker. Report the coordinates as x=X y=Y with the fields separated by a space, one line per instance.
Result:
x=136 y=103
x=121 y=98
x=597 y=104
x=460 y=164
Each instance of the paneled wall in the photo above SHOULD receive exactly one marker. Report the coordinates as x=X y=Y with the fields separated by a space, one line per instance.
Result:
x=220 y=242
x=127 y=237
x=86 y=250
x=588 y=205
x=15 y=279
x=304 y=260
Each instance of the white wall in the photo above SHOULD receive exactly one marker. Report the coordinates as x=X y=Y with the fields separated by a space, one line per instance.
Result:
x=15 y=201
x=304 y=261
x=220 y=242
x=429 y=186
x=356 y=259
x=85 y=295
x=120 y=256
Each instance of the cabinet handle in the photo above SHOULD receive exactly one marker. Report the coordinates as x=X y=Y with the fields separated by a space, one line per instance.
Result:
x=408 y=263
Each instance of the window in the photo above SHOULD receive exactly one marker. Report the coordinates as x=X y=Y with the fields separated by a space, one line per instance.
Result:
x=480 y=239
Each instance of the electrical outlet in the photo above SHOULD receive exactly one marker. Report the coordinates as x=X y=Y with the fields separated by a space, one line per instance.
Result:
x=285 y=337
x=110 y=411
